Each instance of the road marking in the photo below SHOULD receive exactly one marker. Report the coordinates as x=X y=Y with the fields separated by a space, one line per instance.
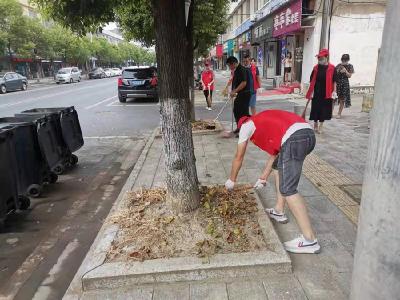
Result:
x=101 y=102
x=44 y=290
x=45 y=96
x=109 y=137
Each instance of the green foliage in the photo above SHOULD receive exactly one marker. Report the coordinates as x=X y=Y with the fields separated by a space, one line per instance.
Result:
x=27 y=37
x=136 y=19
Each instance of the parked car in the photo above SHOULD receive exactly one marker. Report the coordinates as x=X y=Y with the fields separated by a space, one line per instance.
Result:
x=66 y=75
x=116 y=72
x=12 y=81
x=97 y=73
x=108 y=72
x=138 y=82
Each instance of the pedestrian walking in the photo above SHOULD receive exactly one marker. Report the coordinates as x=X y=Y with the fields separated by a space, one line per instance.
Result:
x=207 y=80
x=288 y=139
x=344 y=71
x=322 y=90
x=240 y=89
x=287 y=68
x=256 y=82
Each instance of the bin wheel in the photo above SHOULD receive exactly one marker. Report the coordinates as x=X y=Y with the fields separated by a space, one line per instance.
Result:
x=59 y=169
x=34 y=190
x=53 y=177
x=73 y=160
x=24 y=202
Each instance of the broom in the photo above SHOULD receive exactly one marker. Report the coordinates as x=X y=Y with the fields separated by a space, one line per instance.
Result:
x=303 y=115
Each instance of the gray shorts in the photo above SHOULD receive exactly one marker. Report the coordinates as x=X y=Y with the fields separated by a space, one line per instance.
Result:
x=289 y=162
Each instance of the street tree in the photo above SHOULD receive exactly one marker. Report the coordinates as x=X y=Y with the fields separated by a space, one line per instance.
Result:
x=170 y=35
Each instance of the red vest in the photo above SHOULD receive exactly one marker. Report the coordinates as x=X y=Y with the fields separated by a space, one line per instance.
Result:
x=329 y=82
x=207 y=77
x=271 y=126
x=254 y=73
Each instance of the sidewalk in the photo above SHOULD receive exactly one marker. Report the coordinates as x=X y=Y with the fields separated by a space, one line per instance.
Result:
x=332 y=174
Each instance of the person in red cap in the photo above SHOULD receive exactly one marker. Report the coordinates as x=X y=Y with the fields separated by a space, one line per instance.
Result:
x=288 y=139
x=322 y=90
x=207 y=80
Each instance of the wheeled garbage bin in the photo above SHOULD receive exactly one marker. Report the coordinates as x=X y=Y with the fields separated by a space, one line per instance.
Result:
x=32 y=168
x=68 y=127
x=51 y=143
x=9 y=199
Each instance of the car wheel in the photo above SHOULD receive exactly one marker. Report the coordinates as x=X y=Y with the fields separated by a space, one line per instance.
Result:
x=58 y=82
x=24 y=86
x=121 y=98
x=79 y=79
x=3 y=89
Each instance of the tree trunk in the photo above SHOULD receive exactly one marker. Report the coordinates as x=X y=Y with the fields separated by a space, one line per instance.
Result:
x=190 y=57
x=182 y=183
x=376 y=273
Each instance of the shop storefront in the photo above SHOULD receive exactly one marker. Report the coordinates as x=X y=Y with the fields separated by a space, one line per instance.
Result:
x=287 y=29
x=265 y=48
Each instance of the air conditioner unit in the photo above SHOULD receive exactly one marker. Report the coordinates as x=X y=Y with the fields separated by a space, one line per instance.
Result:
x=253 y=18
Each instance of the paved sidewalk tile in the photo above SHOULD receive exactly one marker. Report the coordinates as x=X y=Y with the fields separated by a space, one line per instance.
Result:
x=253 y=290
x=208 y=291
x=172 y=292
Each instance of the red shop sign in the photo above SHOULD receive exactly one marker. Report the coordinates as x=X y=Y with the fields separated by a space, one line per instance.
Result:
x=288 y=19
x=219 y=50
x=17 y=59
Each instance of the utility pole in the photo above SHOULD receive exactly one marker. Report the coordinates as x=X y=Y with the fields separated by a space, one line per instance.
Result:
x=376 y=273
x=326 y=11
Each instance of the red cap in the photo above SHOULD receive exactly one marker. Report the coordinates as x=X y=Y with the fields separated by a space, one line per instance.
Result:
x=323 y=53
x=242 y=121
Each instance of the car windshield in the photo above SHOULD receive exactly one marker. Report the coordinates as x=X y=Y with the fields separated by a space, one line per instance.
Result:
x=138 y=73
x=64 y=71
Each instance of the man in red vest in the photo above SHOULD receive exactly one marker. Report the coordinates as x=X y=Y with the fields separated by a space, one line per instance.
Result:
x=288 y=139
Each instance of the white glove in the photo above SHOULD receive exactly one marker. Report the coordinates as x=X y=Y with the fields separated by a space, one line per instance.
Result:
x=229 y=185
x=260 y=184
x=334 y=95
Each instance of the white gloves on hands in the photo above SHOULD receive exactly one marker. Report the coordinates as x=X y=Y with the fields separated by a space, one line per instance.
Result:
x=260 y=184
x=229 y=185
x=334 y=95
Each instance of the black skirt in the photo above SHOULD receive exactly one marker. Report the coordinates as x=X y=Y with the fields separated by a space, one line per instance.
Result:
x=321 y=109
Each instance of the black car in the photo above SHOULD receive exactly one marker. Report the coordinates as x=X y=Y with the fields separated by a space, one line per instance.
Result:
x=97 y=73
x=12 y=81
x=138 y=82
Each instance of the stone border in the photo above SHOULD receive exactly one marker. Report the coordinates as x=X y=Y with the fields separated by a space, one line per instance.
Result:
x=185 y=269
x=218 y=128
x=96 y=255
x=95 y=274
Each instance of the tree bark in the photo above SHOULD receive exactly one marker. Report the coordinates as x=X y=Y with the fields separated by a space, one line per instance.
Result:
x=182 y=183
x=376 y=273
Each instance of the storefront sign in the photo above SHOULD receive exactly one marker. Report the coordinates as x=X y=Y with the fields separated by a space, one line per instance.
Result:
x=272 y=6
x=288 y=19
x=262 y=30
x=219 y=50
x=17 y=60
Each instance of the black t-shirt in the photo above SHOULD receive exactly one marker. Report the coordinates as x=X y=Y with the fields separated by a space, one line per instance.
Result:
x=239 y=76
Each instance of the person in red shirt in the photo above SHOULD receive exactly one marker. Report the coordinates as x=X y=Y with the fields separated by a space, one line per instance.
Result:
x=207 y=80
x=288 y=139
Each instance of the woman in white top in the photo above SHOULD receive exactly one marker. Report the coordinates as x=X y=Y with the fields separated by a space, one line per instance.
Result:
x=287 y=64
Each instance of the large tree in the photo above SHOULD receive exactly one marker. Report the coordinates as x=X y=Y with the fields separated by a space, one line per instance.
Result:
x=171 y=35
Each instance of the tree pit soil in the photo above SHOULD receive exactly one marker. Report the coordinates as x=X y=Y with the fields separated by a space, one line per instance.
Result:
x=199 y=125
x=225 y=222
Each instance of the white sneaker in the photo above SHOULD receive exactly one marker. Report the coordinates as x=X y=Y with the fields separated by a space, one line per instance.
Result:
x=279 y=217
x=209 y=108
x=301 y=245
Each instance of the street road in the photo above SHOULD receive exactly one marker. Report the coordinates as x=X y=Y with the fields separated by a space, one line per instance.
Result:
x=41 y=249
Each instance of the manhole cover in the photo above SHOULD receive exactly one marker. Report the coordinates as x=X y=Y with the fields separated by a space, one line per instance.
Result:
x=353 y=190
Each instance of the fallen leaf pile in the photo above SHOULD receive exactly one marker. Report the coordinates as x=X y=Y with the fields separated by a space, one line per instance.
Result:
x=203 y=125
x=225 y=222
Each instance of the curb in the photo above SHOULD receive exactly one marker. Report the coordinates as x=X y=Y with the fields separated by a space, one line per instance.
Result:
x=96 y=255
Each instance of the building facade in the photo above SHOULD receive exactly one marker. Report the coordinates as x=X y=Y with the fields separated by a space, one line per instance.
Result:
x=270 y=30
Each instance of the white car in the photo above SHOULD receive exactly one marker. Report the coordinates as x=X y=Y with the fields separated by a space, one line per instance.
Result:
x=108 y=72
x=116 y=72
x=68 y=75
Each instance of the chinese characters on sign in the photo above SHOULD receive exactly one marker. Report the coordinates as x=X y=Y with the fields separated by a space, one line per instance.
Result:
x=288 y=19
